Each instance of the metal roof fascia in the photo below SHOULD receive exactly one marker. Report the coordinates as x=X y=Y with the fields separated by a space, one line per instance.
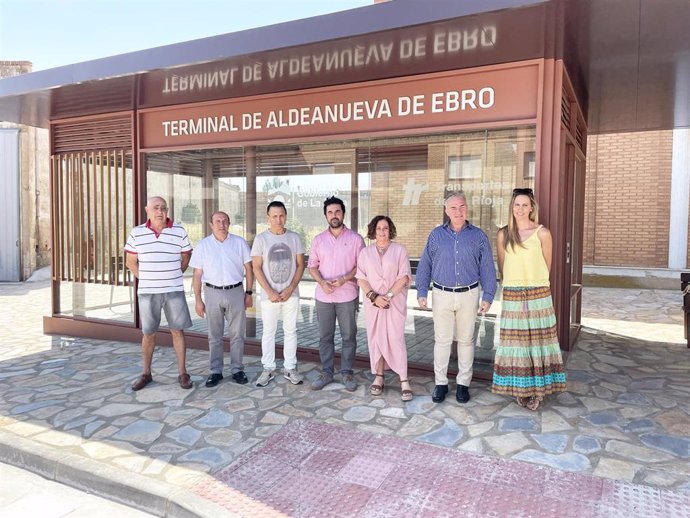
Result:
x=344 y=24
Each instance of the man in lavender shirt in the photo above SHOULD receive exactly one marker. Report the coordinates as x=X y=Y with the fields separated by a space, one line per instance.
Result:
x=333 y=264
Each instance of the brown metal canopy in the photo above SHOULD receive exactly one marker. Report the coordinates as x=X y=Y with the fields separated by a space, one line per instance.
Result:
x=629 y=60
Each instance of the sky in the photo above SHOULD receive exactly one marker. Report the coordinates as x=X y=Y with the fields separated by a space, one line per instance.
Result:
x=53 y=33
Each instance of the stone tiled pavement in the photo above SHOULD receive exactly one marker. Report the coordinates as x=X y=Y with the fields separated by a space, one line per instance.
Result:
x=617 y=444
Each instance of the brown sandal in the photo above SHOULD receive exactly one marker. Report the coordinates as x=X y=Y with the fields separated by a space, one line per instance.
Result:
x=522 y=401
x=376 y=389
x=534 y=402
x=406 y=394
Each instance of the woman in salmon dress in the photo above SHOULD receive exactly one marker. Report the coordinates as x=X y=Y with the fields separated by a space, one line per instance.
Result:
x=383 y=273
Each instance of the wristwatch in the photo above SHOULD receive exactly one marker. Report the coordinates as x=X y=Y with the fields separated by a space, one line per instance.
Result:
x=389 y=295
x=249 y=292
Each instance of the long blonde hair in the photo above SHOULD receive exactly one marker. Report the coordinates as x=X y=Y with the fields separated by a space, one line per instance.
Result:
x=510 y=231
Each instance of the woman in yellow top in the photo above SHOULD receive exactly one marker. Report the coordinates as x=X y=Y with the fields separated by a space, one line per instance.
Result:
x=528 y=363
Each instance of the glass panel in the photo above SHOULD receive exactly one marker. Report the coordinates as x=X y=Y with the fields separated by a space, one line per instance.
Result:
x=93 y=207
x=195 y=184
x=302 y=177
x=97 y=301
x=406 y=178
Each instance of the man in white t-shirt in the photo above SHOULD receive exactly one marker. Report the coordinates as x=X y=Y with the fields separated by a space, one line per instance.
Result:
x=278 y=261
x=220 y=263
x=157 y=253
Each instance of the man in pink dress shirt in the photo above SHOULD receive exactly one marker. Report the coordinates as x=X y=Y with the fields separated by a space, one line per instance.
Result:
x=333 y=264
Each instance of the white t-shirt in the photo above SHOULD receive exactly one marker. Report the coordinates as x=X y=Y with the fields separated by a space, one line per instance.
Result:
x=160 y=263
x=279 y=254
x=222 y=262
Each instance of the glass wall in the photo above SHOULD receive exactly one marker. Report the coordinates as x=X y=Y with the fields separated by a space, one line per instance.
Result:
x=406 y=178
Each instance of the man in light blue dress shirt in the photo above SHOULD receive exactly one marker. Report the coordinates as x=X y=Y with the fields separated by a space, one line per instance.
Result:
x=456 y=260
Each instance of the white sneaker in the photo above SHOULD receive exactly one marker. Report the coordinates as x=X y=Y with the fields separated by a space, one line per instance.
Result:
x=293 y=376
x=264 y=378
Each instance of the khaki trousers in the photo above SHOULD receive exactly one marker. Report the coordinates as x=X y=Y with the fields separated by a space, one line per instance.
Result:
x=454 y=317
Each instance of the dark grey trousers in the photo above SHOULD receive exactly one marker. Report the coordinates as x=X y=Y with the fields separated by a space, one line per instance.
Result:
x=222 y=306
x=345 y=313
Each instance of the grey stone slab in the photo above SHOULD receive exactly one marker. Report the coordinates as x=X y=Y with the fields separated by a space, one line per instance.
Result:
x=420 y=405
x=141 y=431
x=30 y=407
x=360 y=414
x=603 y=418
x=215 y=419
x=506 y=444
x=633 y=398
x=679 y=446
x=185 y=435
x=552 y=442
x=616 y=469
x=518 y=424
x=649 y=384
x=635 y=452
x=25 y=372
x=586 y=445
x=164 y=448
x=210 y=456
x=640 y=425
x=448 y=435
x=118 y=409
x=570 y=461
x=90 y=428
x=76 y=423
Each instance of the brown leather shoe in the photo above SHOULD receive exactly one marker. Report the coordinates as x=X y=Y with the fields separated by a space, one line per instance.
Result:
x=141 y=382
x=185 y=381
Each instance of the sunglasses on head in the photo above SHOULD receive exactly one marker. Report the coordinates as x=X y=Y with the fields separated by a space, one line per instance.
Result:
x=523 y=190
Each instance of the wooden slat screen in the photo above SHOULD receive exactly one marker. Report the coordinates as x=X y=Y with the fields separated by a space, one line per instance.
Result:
x=92 y=215
x=565 y=110
x=93 y=135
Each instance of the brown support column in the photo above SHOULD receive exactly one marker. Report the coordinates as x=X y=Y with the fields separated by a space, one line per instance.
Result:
x=209 y=202
x=250 y=216
x=552 y=190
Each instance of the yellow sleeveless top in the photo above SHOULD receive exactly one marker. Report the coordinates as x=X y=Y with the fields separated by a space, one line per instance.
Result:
x=526 y=266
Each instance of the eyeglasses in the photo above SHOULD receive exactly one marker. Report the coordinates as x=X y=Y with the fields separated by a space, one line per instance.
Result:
x=523 y=190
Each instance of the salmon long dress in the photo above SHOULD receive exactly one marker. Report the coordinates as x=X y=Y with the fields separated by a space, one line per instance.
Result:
x=386 y=327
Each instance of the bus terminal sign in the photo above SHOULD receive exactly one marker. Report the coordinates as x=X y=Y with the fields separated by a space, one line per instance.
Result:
x=439 y=100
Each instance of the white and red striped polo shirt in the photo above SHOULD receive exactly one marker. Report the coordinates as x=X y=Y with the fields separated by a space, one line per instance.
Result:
x=159 y=256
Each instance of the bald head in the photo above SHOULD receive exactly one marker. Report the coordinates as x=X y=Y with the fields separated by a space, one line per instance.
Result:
x=157 y=212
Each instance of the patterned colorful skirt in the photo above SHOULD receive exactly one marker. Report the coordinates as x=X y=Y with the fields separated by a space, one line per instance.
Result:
x=528 y=359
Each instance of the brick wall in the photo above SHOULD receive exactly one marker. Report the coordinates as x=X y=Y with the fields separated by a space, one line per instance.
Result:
x=34 y=162
x=14 y=68
x=627 y=199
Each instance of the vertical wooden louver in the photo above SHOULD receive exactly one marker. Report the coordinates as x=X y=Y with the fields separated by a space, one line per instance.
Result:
x=91 y=200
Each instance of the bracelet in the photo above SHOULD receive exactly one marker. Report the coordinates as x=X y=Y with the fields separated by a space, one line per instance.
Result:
x=368 y=295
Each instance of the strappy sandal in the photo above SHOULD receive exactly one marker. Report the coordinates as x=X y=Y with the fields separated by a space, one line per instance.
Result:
x=522 y=401
x=405 y=394
x=376 y=389
x=534 y=402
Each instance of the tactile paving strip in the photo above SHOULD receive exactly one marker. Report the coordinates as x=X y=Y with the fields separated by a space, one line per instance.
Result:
x=310 y=469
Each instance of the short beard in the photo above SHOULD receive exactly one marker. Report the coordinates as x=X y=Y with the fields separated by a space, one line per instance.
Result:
x=338 y=225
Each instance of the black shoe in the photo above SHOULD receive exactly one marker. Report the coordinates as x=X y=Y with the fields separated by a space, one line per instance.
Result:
x=462 y=394
x=240 y=377
x=214 y=379
x=439 y=393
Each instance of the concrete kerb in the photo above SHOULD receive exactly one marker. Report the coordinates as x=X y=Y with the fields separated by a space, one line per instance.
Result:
x=116 y=484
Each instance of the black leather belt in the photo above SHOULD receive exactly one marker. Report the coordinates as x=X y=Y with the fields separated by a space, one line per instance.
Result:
x=456 y=289
x=223 y=287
